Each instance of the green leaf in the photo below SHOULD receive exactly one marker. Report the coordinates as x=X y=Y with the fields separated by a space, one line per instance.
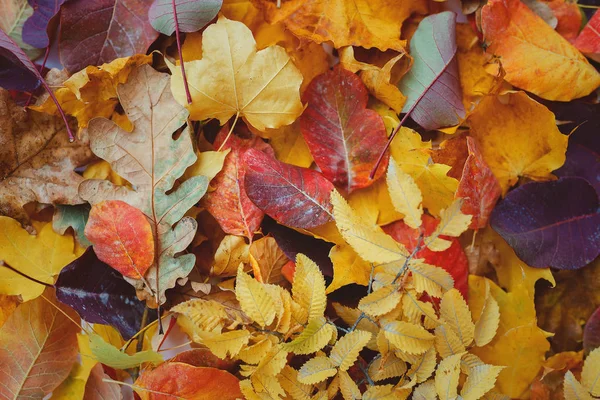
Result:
x=109 y=355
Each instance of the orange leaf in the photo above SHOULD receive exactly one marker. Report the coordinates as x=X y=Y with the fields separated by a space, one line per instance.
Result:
x=122 y=237
x=38 y=347
x=188 y=382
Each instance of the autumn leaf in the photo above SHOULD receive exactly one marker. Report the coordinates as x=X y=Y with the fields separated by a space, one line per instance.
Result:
x=35 y=29
x=267 y=261
x=344 y=137
x=345 y=23
x=187 y=16
x=587 y=41
x=37 y=161
x=221 y=83
x=186 y=381
x=38 y=347
x=15 y=13
x=534 y=56
x=97 y=32
x=152 y=162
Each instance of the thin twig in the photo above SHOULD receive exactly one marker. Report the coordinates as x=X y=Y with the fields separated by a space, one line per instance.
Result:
x=230 y=131
x=185 y=82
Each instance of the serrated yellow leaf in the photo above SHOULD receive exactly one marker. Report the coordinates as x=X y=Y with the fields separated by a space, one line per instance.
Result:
x=222 y=344
x=316 y=370
x=487 y=324
x=480 y=380
x=380 y=392
x=431 y=279
x=410 y=338
x=590 y=375
x=249 y=393
x=470 y=361
x=453 y=223
x=348 y=387
x=273 y=362
x=254 y=299
x=313 y=338
x=345 y=352
x=386 y=367
x=405 y=194
x=288 y=378
x=447 y=343
x=381 y=301
x=348 y=268
x=446 y=377
x=422 y=367
x=455 y=312
x=284 y=322
x=267 y=384
x=200 y=315
x=425 y=391
x=252 y=354
x=414 y=309
x=308 y=287
x=573 y=390
x=368 y=240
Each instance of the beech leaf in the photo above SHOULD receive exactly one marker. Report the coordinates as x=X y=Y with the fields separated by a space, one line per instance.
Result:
x=545 y=237
x=343 y=136
x=152 y=160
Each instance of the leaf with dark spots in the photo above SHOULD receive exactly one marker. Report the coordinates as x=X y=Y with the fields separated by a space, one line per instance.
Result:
x=186 y=15
x=293 y=196
x=228 y=203
x=35 y=29
x=293 y=243
x=554 y=224
x=343 y=136
x=97 y=32
x=100 y=294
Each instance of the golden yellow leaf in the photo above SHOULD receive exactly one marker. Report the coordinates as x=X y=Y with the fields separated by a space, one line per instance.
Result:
x=414 y=309
x=413 y=156
x=374 y=204
x=200 y=315
x=74 y=386
x=41 y=257
x=208 y=163
x=232 y=251
x=535 y=57
x=308 y=287
x=456 y=314
x=7 y=305
x=447 y=342
x=429 y=278
x=368 y=240
x=316 y=370
x=422 y=367
x=289 y=145
x=348 y=387
x=254 y=299
x=573 y=390
x=313 y=338
x=273 y=362
x=453 y=223
x=345 y=23
x=386 y=367
x=345 y=352
x=102 y=170
x=384 y=392
x=487 y=321
x=590 y=375
x=248 y=391
x=405 y=195
x=243 y=11
x=348 y=268
x=446 y=377
x=252 y=354
x=517 y=137
x=224 y=344
x=480 y=380
x=350 y=315
x=288 y=378
x=381 y=301
x=92 y=92
x=425 y=391
x=410 y=338
x=267 y=385
x=224 y=84
x=267 y=261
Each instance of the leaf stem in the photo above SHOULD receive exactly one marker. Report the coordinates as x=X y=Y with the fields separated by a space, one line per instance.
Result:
x=230 y=131
x=24 y=275
x=387 y=145
x=177 y=36
x=41 y=70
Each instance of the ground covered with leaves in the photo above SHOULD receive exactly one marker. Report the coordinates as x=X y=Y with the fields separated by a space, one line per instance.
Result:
x=299 y=199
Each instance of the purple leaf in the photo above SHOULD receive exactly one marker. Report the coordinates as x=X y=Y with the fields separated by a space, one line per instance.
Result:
x=100 y=294
x=554 y=224
x=591 y=332
x=582 y=162
x=186 y=15
x=35 y=29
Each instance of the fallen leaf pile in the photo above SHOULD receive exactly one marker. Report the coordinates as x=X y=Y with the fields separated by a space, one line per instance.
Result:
x=299 y=199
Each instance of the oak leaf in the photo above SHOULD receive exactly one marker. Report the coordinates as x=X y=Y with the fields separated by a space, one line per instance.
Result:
x=535 y=57
x=151 y=160
x=224 y=84
x=37 y=160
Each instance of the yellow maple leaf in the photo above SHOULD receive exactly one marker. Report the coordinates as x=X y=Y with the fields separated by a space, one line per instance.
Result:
x=224 y=82
x=517 y=137
x=40 y=256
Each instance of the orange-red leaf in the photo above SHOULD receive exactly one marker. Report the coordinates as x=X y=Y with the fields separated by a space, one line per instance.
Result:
x=122 y=237
x=38 y=347
x=344 y=137
x=478 y=187
x=588 y=41
x=187 y=382
x=228 y=203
